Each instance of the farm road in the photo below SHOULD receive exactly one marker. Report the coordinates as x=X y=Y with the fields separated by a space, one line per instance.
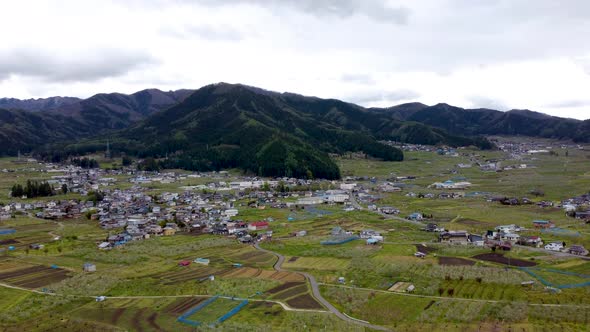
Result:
x=316 y=293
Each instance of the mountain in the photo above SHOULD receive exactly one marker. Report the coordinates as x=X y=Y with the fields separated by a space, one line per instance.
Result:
x=117 y=110
x=267 y=133
x=37 y=105
x=30 y=128
x=490 y=122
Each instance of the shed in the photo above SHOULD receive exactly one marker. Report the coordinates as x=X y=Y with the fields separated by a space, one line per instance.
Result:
x=89 y=267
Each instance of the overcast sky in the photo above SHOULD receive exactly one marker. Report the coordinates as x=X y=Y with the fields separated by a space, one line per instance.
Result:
x=500 y=54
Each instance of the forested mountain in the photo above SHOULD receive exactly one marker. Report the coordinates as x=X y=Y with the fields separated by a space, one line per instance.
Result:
x=268 y=133
x=25 y=130
x=462 y=121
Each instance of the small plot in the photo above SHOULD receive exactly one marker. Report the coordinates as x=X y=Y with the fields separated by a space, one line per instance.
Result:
x=291 y=292
x=455 y=261
x=182 y=305
x=317 y=263
x=212 y=311
x=283 y=287
x=305 y=301
x=501 y=259
x=33 y=276
x=425 y=249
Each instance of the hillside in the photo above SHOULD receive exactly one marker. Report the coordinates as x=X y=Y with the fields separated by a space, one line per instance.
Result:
x=268 y=133
x=32 y=126
x=462 y=121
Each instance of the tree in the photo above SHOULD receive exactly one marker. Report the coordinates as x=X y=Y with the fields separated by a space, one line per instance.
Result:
x=126 y=161
x=64 y=188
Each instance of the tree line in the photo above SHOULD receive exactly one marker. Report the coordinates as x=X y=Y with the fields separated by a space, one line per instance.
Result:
x=32 y=189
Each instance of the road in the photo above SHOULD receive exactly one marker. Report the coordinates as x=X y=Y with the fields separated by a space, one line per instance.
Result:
x=316 y=293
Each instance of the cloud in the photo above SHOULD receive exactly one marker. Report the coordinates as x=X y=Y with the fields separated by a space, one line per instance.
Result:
x=570 y=103
x=84 y=66
x=207 y=32
x=385 y=97
x=373 y=9
x=486 y=102
x=358 y=78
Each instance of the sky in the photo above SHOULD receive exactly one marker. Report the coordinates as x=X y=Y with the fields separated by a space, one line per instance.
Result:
x=500 y=54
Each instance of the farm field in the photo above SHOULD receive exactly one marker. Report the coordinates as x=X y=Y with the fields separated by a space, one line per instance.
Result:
x=456 y=287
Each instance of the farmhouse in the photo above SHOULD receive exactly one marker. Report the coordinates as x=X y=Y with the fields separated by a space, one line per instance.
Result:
x=455 y=237
x=257 y=225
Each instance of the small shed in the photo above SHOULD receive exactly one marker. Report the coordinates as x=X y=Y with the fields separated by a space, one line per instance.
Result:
x=89 y=267
x=184 y=263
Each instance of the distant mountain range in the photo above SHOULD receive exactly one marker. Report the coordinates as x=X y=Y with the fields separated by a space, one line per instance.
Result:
x=491 y=122
x=268 y=133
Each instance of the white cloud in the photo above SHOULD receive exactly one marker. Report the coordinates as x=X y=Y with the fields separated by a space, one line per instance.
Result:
x=500 y=53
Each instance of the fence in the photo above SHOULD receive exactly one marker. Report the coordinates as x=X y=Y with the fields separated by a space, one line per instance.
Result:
x=183 y=317
x=232 y=312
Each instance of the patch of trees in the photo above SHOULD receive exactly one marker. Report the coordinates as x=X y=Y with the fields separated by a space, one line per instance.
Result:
x=32 y=189
x=85 y=163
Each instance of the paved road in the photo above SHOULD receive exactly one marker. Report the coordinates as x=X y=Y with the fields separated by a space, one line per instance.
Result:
x=316 y=293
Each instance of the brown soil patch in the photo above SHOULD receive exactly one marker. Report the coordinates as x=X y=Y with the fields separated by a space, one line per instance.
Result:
x=152 y=321
x=116 y=315
x=8 y=241
x=291 y=292
x=455 y=261
x=136 y=321
x=293 y=259
x=181 y=306
x=499 y=258
x=424 y=249
x=284 y=286
x=305 y=301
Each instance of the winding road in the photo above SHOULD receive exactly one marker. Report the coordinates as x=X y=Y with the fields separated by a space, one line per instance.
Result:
x=318 y=296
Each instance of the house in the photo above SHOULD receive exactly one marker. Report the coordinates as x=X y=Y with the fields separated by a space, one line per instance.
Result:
x=532 y=241
x=578 y=250
x=89 y=267
x=455 y=237
x=542 y=224
x=389 y=210
x=508 y=228
x=257 y=225
x=554 y=246
x=168 y=231
x=476 y=240
x=509 y=237
x=416 y=216
x=347 y=186
x=368 y=233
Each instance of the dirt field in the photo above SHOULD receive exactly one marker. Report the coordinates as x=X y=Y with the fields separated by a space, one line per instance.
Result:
x=425 y=249
x=182 y=305
x=8 y=242
x=455 y=261
x=284 y=286
x=291 y=292
x=34 y=276
x=499 y=258
x=305 y=301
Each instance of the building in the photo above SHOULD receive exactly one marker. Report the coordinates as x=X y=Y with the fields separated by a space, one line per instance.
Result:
x=89 y=267
x=257 y=225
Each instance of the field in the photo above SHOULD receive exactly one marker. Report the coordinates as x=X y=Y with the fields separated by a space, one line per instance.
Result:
x=457 y=287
